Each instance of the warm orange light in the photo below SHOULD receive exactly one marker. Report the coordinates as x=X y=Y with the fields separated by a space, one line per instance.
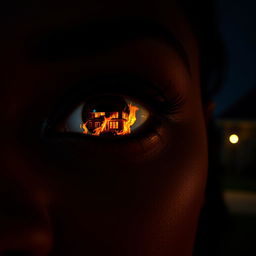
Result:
x=115 y=115
x=98 y=114
x=111 y=122
x=83 y=126
x=233 y=139
x=130 y=121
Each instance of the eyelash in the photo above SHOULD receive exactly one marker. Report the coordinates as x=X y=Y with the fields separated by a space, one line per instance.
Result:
x=133 y=86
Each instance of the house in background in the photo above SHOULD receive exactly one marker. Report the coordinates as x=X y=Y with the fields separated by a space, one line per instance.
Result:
x=238 y=174
x=238 y=156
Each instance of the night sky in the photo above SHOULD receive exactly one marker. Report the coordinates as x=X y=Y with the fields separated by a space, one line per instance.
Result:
x=237 y=20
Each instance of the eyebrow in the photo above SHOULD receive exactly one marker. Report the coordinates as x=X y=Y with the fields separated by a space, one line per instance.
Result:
x=92 y=39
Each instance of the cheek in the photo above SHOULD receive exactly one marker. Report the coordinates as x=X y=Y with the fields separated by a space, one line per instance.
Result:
x=148 y=207
x=180 y=182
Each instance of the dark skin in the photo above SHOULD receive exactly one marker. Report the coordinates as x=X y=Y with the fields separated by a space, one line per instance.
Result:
x=71 y=194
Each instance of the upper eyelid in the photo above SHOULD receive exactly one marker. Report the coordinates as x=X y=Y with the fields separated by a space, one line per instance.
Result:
x=130 y=84
x=147 y=93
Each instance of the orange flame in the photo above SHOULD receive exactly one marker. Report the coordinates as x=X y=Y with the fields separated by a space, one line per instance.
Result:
x=83 y=126
x=103 y=126
x=128 y=121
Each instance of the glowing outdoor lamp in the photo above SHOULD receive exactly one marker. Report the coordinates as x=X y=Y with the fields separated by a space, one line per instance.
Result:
x=233 y=139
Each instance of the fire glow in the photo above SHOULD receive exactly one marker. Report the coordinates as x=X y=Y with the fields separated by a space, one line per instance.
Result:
x=116 y=123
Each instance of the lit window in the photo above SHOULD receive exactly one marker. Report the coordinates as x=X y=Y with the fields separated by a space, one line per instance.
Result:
x=113 y=125
x=97 y=124
x=98 y=114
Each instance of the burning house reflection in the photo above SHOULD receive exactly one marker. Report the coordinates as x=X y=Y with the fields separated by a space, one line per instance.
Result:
x=109 y=117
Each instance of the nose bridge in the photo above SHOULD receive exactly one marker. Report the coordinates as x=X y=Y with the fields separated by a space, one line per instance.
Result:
x=25 y=225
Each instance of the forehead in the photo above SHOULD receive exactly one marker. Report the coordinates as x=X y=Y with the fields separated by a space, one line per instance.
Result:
x=110 y=7
x=42 y=16
x=60 y=13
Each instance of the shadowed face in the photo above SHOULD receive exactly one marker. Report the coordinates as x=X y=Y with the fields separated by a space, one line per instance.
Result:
x=64 y=191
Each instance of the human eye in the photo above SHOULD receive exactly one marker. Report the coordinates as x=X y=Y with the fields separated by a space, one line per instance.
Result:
x=124 y=113
x=105 y=115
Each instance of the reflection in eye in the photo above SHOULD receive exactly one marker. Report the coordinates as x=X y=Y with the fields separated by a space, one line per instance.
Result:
x=107 y=115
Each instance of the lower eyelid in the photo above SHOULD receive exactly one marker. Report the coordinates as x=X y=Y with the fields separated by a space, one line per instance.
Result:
x=131 y=149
